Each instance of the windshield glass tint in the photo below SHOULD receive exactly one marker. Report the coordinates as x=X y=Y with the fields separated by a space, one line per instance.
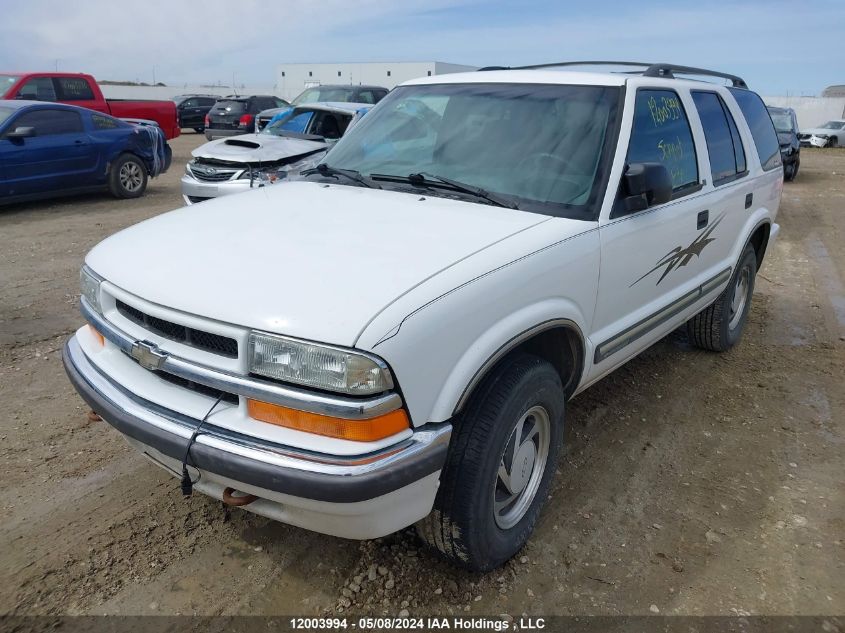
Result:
x=233 y=107
x=782 y=121
x=833 y=125
x=540 y=145
x=314 y=95
x=6 y=82
x=5 y=113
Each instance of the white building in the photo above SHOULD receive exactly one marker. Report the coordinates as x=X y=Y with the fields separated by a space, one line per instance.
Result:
x=291 y=79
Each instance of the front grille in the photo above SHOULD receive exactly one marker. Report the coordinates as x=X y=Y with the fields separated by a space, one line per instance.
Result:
x=198 y=388
x=196 y=199
x=208 y=173
x=214 y=343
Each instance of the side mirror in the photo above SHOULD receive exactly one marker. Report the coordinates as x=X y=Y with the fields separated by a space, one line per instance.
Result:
x=645 y=185
x=21 y=133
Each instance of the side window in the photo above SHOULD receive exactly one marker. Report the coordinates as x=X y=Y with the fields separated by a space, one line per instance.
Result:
x=38 y=89
x=727 y=156
x=207 y=103
x=762 y=128
x=190 y=103
x=380 y=94
x=661 y=134
x=49 y=122
x=74 y=89
x=103 y=122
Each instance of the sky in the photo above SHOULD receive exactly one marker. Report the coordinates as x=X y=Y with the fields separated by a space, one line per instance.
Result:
x=778 y=47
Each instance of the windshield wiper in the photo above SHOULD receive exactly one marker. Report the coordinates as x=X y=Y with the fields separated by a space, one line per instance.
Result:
x=424 y=179
x=325 y=170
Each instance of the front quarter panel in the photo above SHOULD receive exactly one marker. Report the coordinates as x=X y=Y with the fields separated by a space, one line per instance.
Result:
x=438 y=337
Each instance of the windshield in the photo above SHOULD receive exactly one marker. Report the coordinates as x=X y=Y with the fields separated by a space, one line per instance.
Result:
x=6 y=82
x=540 y=146
x=5 y=113
x=296 y=121
x=782 y=121
x=833 y=125
x=315 y=95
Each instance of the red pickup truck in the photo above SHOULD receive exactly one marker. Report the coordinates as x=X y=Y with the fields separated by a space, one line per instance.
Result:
x=82 y=90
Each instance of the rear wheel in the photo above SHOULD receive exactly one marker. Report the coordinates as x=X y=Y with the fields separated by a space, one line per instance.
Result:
x=719 y=326
x=128 y=177
x=500 y=465
x=199 y=130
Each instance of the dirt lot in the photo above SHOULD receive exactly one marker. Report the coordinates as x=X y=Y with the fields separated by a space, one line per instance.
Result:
x=692 y=483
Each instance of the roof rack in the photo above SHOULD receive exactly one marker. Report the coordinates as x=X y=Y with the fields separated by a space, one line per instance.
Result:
x=666 y=71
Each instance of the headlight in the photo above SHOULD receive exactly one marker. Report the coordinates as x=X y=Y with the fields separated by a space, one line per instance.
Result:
x=89 y=284
x=267 y=176
x=317 y=366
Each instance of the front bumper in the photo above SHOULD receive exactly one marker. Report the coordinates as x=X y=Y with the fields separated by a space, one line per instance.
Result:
x=195 y=191
x=362 y=496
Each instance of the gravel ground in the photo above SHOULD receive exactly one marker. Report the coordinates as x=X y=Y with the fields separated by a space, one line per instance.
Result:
x=691 y=483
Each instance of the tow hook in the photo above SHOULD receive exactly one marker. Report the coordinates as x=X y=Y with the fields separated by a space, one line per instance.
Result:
x=230 y=499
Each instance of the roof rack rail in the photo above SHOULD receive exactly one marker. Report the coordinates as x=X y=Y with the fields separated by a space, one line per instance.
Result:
x=649 y=70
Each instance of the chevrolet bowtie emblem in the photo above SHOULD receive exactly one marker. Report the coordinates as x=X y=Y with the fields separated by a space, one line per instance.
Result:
x=148 y=355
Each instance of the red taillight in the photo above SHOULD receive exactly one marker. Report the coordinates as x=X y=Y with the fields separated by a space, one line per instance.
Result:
x=246 y=120
x=207 y=121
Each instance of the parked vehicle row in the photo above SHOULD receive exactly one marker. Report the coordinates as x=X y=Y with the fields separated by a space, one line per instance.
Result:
x=282 y=150
x=82 y=90
x=830 y=134
x=49 y=149
x=392 y=338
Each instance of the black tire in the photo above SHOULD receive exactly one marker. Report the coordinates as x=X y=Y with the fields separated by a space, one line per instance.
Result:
x=719 y=326
x=128 y=177
x=789 y=172
x=199 y=130
x=833 y=142
x=795 y=167
x=464 y=526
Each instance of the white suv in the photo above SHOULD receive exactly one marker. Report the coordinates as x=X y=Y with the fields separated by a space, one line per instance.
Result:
x=393 y=339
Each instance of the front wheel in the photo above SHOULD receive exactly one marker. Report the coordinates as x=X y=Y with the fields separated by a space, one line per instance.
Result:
x=128 y=177
x=500 y=465
x=719 y=326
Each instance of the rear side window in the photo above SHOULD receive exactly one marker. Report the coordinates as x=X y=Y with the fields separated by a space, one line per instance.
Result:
x=74 y=89
x=762 y=128
x=50 y=122
x=727 y=156
x=661 y=134
x=38 y=89
x=103 y=122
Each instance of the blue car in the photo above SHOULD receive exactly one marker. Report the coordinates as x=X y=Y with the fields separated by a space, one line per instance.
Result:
x=50 y=149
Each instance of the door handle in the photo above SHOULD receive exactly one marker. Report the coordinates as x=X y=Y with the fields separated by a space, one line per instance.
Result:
x=748 y=200
x=703 y=219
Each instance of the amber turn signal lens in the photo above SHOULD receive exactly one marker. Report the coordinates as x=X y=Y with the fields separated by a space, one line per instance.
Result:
x=356 y=430
x=97 y=335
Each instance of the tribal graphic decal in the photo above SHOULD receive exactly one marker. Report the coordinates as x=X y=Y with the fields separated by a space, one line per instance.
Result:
x=679 y=257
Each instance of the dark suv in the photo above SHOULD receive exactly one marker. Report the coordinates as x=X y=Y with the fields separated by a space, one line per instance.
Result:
x=786 y=125
x=236 y=114
x=191 y=110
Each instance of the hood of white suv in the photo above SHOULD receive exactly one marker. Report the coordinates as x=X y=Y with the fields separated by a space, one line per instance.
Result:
x=305 y=259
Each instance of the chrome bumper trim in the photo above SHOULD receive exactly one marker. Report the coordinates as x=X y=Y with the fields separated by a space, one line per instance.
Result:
x=164 y=429
x=249 y=387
